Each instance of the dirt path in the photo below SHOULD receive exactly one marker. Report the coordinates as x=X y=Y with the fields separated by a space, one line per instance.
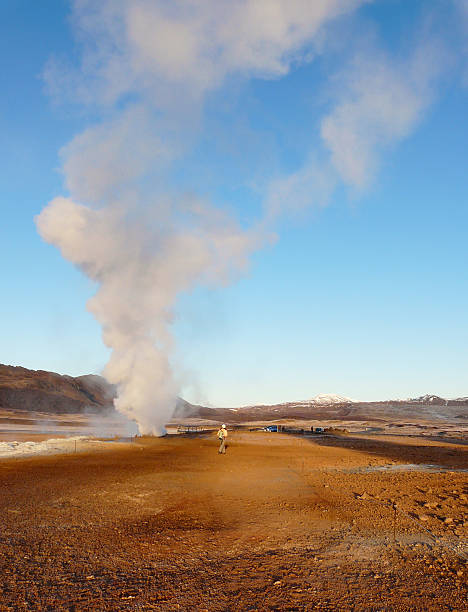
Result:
x=279 y=523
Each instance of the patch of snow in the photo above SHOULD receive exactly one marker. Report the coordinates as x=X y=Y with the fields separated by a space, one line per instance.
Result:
x=428 y=399
x=331 y=398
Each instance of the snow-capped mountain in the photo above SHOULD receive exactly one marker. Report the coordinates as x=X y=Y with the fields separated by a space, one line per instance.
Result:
x=330 y=398
x=429 y=399
x=439 y=401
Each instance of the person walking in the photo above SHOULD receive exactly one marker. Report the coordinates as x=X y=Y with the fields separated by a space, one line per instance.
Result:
x=222 y=435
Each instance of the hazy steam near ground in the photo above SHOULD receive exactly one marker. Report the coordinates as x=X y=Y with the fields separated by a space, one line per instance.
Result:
x=147 y=66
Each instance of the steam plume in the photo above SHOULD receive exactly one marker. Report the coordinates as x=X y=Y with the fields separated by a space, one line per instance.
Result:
x=147 y=66
x=140 y=245
x=141 y=265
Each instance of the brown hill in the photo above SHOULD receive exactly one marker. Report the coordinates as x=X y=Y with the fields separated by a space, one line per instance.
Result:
x=40 y=391
x=356 y=411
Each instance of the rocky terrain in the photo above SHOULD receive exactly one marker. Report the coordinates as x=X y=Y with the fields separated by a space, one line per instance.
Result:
x=278 y=523
x=281 y=522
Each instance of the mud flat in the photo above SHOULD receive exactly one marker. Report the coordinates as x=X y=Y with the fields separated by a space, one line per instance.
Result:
x=280 y=522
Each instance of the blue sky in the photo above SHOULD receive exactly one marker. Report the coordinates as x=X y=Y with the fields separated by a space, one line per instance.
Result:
x=363 y=294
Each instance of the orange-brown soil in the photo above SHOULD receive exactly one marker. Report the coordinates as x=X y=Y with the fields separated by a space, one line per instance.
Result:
x=278 y=523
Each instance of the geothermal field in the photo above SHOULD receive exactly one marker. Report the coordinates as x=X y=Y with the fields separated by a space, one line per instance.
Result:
x=282 y=521
x=239 y=212
x=369 y=514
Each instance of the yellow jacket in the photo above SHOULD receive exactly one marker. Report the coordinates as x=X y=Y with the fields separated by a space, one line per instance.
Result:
x=222 y=432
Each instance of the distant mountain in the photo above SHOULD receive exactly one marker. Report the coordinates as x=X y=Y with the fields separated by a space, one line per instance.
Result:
x=430 y=399
x=40 y=391
x=440 y=401
x=323 y=399
x=330 y=398
x=30 y=390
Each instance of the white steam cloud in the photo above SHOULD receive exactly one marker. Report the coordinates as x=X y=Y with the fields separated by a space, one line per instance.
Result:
x=141 y=262
x=144 y=250
x=161 y=48
x=147 y=66
x=381 y=101
x=377 y=102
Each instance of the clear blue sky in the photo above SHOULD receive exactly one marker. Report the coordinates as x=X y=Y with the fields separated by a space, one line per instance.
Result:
x=365 y=295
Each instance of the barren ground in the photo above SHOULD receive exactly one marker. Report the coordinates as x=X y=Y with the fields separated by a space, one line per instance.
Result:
x=278 y=523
